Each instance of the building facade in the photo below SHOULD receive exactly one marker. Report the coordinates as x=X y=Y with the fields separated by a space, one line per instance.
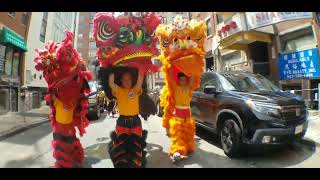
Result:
x=86 y=44
x=13 y=46
x=258 y=41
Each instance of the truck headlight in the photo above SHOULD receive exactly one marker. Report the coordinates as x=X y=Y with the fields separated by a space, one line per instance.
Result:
x=267 y=109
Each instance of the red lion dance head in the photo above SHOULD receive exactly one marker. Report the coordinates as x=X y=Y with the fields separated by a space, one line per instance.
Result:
x=62 y=68
x=126 y=39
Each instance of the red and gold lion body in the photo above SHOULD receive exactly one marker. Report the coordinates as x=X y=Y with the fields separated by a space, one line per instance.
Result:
x=67 y=79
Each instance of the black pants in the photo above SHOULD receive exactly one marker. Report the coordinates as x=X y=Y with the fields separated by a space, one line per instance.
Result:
x=127 y=144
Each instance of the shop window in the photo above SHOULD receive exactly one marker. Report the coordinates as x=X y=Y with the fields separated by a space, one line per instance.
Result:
x=24 y=18
x=209 y=30
x=230 y=59
x=12 y=14
x=43 y=27
x=15 y=64
x=298 y=40
x=11 y=63
x=8 y=61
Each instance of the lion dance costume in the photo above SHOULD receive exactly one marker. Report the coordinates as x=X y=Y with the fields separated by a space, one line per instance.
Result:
x=67 y=77
x=126 y=43
x=182 y=52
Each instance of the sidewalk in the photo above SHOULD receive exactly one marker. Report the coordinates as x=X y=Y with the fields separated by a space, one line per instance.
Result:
x=15 y=122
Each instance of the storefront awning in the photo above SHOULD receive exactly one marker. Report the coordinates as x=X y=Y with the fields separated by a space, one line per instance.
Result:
x=240 y=41
x=9 y=37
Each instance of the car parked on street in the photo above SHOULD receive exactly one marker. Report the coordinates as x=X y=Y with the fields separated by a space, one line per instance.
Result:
x=247 y=109
x=155 y=96
x=97 y=101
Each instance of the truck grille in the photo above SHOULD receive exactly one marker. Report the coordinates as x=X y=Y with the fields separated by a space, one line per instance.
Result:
x=292 y=114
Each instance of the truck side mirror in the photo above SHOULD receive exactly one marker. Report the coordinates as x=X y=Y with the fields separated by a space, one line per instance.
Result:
x=210 y=90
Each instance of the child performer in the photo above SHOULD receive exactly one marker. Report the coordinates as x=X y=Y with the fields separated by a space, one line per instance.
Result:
x=128 y=139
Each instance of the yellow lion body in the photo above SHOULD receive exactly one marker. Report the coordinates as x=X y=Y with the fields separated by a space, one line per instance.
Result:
x=182 y=49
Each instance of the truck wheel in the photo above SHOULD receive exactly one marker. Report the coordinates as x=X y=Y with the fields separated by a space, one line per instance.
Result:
x=230 y=137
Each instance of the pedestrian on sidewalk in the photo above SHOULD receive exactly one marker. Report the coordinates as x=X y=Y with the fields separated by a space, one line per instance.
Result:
x=67 y=80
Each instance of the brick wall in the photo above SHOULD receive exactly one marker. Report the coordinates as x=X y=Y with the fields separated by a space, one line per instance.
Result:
x=14 y=23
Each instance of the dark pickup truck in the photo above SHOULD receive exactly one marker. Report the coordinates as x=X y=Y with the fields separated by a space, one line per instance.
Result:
x=248 y=109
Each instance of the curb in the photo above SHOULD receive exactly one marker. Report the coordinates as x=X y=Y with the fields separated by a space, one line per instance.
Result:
x=18 y=129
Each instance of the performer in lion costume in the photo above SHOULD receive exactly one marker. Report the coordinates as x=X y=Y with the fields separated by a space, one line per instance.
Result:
x=182 y=57
x=126 y=43
x=67 y=77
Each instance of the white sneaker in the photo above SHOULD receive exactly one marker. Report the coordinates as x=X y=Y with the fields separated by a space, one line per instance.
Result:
x=176 y=156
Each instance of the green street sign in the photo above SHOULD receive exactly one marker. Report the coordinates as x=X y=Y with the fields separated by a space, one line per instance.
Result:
x=12 y=38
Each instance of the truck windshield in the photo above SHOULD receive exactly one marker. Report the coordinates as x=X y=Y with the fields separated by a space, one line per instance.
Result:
x=246 y=82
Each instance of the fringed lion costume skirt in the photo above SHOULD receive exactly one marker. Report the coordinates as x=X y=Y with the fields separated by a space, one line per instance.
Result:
x=128 y=142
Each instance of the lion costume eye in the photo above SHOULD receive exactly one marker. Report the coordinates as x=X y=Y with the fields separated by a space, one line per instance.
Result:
x=165 y=42
x=105 y=31
x=175 y=39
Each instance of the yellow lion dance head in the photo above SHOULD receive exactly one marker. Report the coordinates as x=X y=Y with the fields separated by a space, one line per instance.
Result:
x=182 y=45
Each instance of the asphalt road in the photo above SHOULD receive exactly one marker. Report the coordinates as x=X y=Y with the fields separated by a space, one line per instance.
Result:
x=32 y=149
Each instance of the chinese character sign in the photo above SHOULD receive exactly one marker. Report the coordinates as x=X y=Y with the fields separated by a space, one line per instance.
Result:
x=299 y=64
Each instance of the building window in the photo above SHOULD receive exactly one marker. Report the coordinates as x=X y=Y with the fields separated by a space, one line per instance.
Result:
x=179 y=12
x=12 y=14
x=92 y=53
x=92 y=45
x=81 y=18
x=219 y=19
x=92 y=14
x=79 y=44
x=298 y=40
x=24 y=18
x=164 y=20
x=80 y=36
x=209 y=29
x=11 y=62
x=91 y=30
x=43 y=28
